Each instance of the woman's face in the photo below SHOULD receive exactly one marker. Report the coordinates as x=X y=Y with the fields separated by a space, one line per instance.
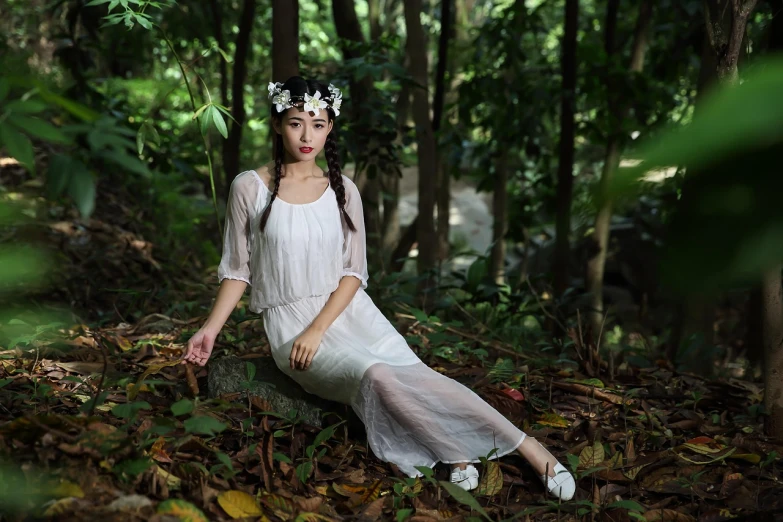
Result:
x=304 y=134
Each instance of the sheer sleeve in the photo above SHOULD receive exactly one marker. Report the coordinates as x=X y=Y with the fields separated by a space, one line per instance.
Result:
x=355 y=243
x=235 y=262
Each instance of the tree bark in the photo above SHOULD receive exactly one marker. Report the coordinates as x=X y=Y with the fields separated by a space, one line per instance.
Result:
x=443 y=170
x=348 y=28
x=416 y=48
x=618 y=111
x=565 y=171
x=285 y=39
x=232 y=146
x=390 y=183
x=726 y=21
x=772 y=318
x=497 y=258
x=221 y=185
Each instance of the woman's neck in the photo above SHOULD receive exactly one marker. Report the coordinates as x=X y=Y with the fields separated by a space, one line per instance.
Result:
x=299 y=170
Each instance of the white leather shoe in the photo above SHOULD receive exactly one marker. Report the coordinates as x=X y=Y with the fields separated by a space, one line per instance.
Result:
x=467 y=478
x=562 y=485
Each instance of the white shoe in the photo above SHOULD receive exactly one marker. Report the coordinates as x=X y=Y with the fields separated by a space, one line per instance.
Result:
x=562 y=485
x=467 y=478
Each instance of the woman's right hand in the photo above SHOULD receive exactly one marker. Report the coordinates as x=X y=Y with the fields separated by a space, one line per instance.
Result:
x=200 y=347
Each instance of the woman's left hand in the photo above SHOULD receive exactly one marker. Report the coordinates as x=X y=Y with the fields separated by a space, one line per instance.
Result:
x=304 y=349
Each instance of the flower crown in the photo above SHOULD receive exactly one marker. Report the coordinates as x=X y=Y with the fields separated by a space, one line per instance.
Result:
x=283 y=99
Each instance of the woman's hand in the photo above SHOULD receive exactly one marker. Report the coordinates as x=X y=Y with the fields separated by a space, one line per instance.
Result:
x=200 y=347
x=304 y=349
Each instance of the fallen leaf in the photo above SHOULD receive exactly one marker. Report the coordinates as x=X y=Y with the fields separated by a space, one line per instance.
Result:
x=238 y=504
x=553 y=419
x=667 y=515
x=591 y=456
x=181 y=509
x=491 y=482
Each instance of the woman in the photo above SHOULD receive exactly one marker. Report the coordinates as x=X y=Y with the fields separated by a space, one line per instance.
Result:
x=296 y=234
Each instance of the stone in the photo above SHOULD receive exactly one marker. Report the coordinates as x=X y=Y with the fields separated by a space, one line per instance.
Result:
x=228 y=374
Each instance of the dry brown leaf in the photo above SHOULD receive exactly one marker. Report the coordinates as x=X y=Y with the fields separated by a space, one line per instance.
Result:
x=591 y=456
x=667 y=515
x=491 y=482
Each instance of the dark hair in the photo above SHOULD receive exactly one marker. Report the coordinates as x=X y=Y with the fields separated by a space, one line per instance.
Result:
x=298 y=86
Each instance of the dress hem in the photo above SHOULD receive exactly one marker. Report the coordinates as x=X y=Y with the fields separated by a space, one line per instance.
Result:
x=474 y=461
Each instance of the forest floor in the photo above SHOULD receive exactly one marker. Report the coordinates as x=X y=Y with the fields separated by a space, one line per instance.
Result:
x=99 y=422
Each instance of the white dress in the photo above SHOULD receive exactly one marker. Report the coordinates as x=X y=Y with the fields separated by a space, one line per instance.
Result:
x=413 y=415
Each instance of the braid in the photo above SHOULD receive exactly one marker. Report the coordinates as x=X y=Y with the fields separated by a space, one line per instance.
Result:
x=279 y=153
x=336 y=176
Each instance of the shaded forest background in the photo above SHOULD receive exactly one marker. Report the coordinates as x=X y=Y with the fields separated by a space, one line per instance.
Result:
x=629 y=152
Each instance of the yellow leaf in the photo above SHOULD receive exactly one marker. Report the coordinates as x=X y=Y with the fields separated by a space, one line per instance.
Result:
x=704 y=449
x=311 y=517
x=491 y=481
x=348 y=490
x=631 y=473
x=750 y=457
x=172 y=481
x=66 y=489
x=60 y=507
x=133 y=390
x=239 y=504
x=280 y=506
x=181 y=509
x=591 y=456
x=373 y=492
x=616 y=461
x=553 y=419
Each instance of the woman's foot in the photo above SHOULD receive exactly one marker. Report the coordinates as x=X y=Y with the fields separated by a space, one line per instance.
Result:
x=556 y=478
x=467 y=478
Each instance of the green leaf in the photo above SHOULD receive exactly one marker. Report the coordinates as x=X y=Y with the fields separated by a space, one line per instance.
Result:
x=26 y=106
x=58 y=174
x=303 y=471
x=251 y=370
x=129 y=410
x=205 y=119
x=281 y=457
x=96 y=2
x=424 y=470
x=18 y=146
x=627 y=504
x=225 y=459
x=39 y=128
x=225 y=56
x=81 y=187
x=463 y=497
x=5 y=88
x=204 y=425
x=403 y=514
x=182 y=407
x=219 y=123
x=143 y=21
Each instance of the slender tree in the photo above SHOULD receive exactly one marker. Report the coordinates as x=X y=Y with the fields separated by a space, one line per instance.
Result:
x=565 y=171
x=618 y=105
x=416 y=48
x=285 y=39
x=231 y=146
x=443 y=169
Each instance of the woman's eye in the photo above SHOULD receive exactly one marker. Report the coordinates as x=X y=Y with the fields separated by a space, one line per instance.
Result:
x=294 y=125
x=319 y=126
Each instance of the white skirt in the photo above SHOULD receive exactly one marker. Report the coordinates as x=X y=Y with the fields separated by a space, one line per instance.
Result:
x=414 y=416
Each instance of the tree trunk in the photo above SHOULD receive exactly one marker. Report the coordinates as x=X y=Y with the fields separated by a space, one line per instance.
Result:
x=348 y=29
x=565 y=171
x=221 y=184
x=285 y=39
x=443 y=170
x=390 y=185
x=618 y=112
x=497 y=258
x=232 y=146
x=726 y=21
x=772 y=317
x=416 y=48
x=374 y=16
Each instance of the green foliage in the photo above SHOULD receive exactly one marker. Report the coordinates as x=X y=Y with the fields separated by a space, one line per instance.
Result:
x=728 y=228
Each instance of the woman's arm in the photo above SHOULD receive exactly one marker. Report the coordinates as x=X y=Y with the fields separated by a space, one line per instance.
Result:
x=201 y=344
x=305 y=346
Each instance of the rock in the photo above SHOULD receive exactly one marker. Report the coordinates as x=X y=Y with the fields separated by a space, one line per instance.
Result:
x=227 y=375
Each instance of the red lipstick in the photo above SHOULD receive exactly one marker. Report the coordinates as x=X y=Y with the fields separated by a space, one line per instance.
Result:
x=305 y=150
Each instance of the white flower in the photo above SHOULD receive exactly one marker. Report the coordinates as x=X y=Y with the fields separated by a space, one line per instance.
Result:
x=314 y=104
x=336 y=94
x=273 y=88
x=282 y=101
x=336 y=106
